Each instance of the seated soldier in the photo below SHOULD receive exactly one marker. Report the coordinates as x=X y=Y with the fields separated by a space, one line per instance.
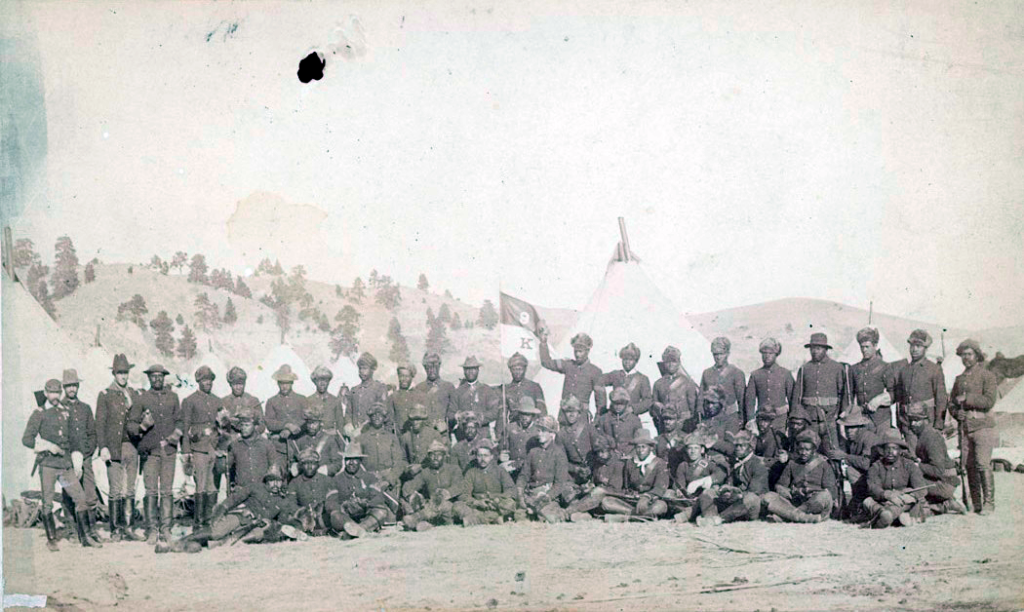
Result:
x=938 y=469
x=419 y=437
x=427 y=497
x=669 y=444
x=696 y=475
x=249 y=455
x=647 y=480
x=356 y=503
x=577 y=438
x=860 y=444
x=468 y=433
x=806 y=487
x=309 y=490
x=268 y=515
x=543 y=480
x=520 y=433
x=619 y=423
x=770 y=445
x=738 y=498
x=895 y=485
x=328 y=446
x=384 y=457
x=608 y=476
x=489 y=496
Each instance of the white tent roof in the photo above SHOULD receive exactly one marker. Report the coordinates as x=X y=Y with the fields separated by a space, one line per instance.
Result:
x=890 y=353
x=1013 y=402
x=35 y=349
x=263 y=387
x=215 y=363
x=345 y=371
x=628 y=307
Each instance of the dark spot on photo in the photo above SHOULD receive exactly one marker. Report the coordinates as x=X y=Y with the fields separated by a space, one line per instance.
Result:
x=311 y=68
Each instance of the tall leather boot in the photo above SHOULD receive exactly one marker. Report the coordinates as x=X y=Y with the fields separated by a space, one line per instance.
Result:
x=198 y=511
x=211 y=501
x=125 y=516
x=152 y=516
x=113 y=505
x=51 y=532
x=166 y=515
x=91 y=529
x=82 y=527
x=988 y=488
x=974 y=485
x=736 y=512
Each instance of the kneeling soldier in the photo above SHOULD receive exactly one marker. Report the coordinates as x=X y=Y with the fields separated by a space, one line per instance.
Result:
x=646 y=482
x=698 y=474
x=608 y=476
x=357 y=504
x=489 y=495
x=543 y=481
x=807 y=486
x=895 y=485
x=427 y=497
x=309 y=490
x=739 y=497
x=938 y=469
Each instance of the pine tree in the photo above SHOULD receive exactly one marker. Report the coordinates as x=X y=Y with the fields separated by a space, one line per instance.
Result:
x=399 y=352
x=165 y=268
x=444 y=314
x=448 y=294
x=323 y=324
x=230 y=316
x=156 y=263
x=187 y=344
x=25 y=253
x=241 y=288
x=374 y=277
x=488 y=315
x=37 y=272
x=456 y=322
x=358 y=291
x=65 y=268
x=423 y=285
x=437 y=338
x=265 y=267
x=430 y=317
x=133 y=310
x=43 y=296
x=221 y=279
x=197 y=270
x=163 y=328
x=90 y=273
x=207 y=315
x=179 y=261
x=344 y=338
x=180 y=320
x=277 y=269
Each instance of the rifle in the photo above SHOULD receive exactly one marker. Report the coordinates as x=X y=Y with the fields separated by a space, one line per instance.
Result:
x=504 y=418
x=246 y=530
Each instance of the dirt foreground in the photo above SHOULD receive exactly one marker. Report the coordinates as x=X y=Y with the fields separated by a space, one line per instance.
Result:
x=948 y=563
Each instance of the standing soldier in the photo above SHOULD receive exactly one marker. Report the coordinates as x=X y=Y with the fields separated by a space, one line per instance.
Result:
x=674 y=388
x=367 y=393
x=821 y=389
x=117 y=448
x=235 y=403
x=921 y=380
x=513 y=391
x=873 y=381
x=974 y=395
x=619 y=424
x=83 y=445
x=770 y=388
x=438 y=394
x=384 y=457
x=731 y=381
x=582 y=378
x=156 y=419
x=474 y=396
x=331 y=407
x=638 y=385
x=400 y=403
x=48 y=434
x=199 y=445
x=284 y=412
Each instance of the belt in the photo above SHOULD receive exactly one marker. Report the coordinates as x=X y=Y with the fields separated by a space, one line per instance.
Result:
x=929 y=403
x=820 y=401
x=775 y=411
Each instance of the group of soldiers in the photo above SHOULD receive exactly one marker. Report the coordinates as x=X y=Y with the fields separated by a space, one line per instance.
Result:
x=862 y=442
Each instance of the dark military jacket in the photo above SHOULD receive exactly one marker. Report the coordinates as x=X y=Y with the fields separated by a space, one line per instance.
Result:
x=749 y=474
x=933 y=457
x=112 y=407
x=581 y=380
x=328 y=445
x=360 y=486
x=688 y=471
x=82 y=427
x=309 y=491
x=399 y=406
x=384 y=454
x=578 y=441
x=519 y=442
x=429 y=481
x=870 y=377
x=261 y=502
x=732 y=382
x=902 y=474
x=922 y=381
x=544 y=466
x=669 y=446
x=50 y=423
x=610 y=476
x=861 y=450
x=490 y=481
x=462 y=451
x=479 y=398
x=679 y=391
x=415 y=445
x=820 y=385
x=235 y=405
x=805 y=479
x=979 y=385
x=361 y=397
x=620 y=428
x=440 y=398
x=515 y=391
x=199 y=417
x=252 y=458
x=652 y=478
x=333 y=409
x=770 y=442
x=166 y=411
x=769 y=390
x=282 y=411
x=638 y=386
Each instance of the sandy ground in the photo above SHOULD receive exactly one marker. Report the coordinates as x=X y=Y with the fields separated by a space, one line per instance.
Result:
x=948 y=563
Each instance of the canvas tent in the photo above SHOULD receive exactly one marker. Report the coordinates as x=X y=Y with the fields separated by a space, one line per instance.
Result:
x=890 y=353
x=628 y=307
x=264 y=387
x=345 y=372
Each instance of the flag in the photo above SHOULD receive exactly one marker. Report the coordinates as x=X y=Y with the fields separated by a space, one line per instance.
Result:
x=519 y=323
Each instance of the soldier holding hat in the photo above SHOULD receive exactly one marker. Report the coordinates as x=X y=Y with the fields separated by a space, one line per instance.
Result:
x=83 y=446
x=807 y=487
x=156 y=419
x=48 y=434
x=367 y=393
x=383 y=455
x=515 y=390
x=490 y=494
x=401 y=401
x=327 y=444
x=821 y=390
x=738 y=498
x=770 y=388
x=332 y=408
x=638 y=385
x=542 y=480
x=427 y=497
x=117 y=448
x=199 y=444
x=873 y=381
x=895 y=485
x=284 y=415
x=416 y=441
x=974 y=395
x=521 y=432
x=619 y=424
x=674 y=388
x=646 y=477
x=728 y=378
x=582 y=378
x=439 y=394
x=577 y=437
x=474 y=396
x=921 y=380
x=938 y=469
x=250 y=455
x=356 y=503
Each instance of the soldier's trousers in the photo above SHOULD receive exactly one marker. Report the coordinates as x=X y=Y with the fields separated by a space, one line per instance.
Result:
x=979 y=448
x=823 y=423
x=158 y=474
x=202 y=472
x=818 y=503
x=89 y=483
x=49 y=476
x=121 y=474
x=746 y=508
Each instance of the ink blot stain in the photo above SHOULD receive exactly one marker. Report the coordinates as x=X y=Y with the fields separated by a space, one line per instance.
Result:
x=311 y=68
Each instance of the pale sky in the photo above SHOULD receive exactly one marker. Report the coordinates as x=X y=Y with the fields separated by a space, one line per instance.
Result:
x=856 y=151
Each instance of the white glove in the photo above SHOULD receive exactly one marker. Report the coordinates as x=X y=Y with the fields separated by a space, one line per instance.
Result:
x=294 y=470
x=322 y=470
x=783 y=457
x=105 y=454
x=882 y=399
x=45 y=446
x=76 y=462
x=696 y=485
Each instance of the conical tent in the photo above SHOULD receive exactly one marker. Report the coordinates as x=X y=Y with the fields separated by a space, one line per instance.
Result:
x=345 y=372
x=264 y=387
x=1012 y=402
x=890 y=353
x=629 y=307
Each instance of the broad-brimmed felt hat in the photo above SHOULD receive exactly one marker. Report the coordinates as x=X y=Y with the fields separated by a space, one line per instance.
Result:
x=818 y=339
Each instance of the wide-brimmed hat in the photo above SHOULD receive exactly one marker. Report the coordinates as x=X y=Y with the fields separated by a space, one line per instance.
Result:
x=470 y=362
x=642 y=437
x=818 y=339
x=274 y=473
x=156 y=368
x=354 y=451
x=855 y=418
x=528 y=406
x=285 y=374
x=918 y=410
x=619 y=396
x=808 y=436
x=891 y=436
x=121 y=363
x=309 y=455
x=70 y=377
x=52 y=385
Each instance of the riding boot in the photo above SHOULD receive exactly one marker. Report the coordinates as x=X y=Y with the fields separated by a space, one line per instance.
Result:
x=151 y=505
x=735 y=512
x=370 y=523
x=211 y=502
x=124 y=529
x=974 y=485
x=166 y=515
x=198 y=511
x=115 y=528
x=91 y=529
x=81 y=526
x=51 y=532
x=988 y=487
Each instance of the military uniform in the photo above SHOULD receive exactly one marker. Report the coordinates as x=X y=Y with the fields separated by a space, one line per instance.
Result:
x=157 y=450
x=979 y=436
x=462 y=451
x=887 y=484
x=514 y=392
x=361 y=397
x=251 y=458
x=399 y=406
x=415 y=445
x=199 y=417
x=356 y=498
x=328 y=446
x=423 y=494
x=620 y=428
x=236 y=404
x=519 y=443
x=677 y=391
x=333 y=409
x=475 y=397
x=922 y=381
x=543 y=480
x=874 y=382
x=578 y=440
x=637 y=384
x=112 y=407
x=83 y=439
x=732 y=382
x=260 y=502
x=740 y=496
x=821 y=390
x=936 y=466
x=439 y=396
x=581 y=380
x=385 y=458
x=769 y=390
x=804 y=492
x=284 y=414
x=310 y=491
x=489 y=495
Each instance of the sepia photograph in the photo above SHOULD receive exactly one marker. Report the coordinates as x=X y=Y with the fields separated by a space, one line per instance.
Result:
x=541 y=305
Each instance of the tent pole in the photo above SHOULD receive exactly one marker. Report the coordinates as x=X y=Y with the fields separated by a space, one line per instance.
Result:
x=625 y=239
x=871 y=311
